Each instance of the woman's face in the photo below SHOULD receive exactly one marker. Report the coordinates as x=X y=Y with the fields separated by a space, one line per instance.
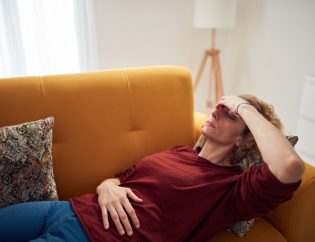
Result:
x=223 y=128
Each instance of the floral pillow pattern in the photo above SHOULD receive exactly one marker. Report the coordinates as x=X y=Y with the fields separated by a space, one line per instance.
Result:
x=26 y=169
x=242 y=227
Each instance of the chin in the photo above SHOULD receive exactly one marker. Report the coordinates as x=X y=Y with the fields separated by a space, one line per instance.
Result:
x=210 y=136
x=205 y=133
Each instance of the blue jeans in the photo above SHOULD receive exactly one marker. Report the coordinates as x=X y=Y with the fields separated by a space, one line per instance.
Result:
x=40 y=221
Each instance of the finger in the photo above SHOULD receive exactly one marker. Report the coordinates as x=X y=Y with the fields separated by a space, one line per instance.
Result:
x=233 y=112
x=105 y=216
x=115 y=217
x=124 y=218
x=220 y=104
x=225 y=98
x=102 y=203
x=132 y=213
x=133 y=196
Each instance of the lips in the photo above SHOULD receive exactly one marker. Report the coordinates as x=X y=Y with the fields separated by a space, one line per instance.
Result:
x=210 y=123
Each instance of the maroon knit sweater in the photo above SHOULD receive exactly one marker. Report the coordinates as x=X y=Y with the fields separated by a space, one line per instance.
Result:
x=186 y=198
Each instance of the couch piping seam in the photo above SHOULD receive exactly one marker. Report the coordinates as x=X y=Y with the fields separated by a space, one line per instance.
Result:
x=42 y=91
x=130 y=102
x=131 y=110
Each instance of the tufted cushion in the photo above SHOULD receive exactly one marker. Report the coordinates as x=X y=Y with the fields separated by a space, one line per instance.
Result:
x=26 y=170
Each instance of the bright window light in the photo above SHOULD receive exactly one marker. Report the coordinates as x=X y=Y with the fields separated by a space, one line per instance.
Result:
x=48 y=36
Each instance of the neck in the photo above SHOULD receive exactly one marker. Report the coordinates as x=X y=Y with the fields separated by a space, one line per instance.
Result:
x=217 y=153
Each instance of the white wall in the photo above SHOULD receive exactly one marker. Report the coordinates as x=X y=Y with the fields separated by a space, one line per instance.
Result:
x=267 y=53
x=144 y=32
x=306 y=121
x=274 y=40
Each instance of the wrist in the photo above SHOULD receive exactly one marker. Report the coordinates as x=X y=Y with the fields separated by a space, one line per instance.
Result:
x=105 y=184
x=101 y=187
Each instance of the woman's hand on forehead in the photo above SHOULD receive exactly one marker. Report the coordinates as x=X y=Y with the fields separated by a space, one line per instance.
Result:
x=231 y=103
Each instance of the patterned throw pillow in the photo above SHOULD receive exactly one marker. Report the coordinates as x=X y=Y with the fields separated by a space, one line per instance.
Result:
x=26 y=170
x=242 y=227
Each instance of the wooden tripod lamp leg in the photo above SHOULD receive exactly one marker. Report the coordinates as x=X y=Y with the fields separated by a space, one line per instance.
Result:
x=209 y=102
x=218 y=78
x=215 y=71
x=201 y=67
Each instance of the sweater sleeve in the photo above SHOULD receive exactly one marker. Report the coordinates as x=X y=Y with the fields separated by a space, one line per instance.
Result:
x=123 y=176
x=257 y=191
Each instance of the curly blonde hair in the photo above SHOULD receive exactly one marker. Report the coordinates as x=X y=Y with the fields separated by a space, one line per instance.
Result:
x=248 y=148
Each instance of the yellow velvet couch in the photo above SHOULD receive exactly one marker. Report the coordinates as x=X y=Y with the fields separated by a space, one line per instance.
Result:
x=107 y=120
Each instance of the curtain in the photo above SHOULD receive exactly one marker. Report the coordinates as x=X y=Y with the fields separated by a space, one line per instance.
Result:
x=12 y=60
x=40 y=37
x=86 y=34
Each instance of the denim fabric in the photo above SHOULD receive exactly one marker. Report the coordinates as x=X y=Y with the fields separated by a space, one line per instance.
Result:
x=40 y=221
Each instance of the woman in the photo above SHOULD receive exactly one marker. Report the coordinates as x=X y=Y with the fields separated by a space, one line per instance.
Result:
x=177 y=194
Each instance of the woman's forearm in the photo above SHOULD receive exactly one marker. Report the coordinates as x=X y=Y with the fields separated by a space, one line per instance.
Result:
x=275 y=149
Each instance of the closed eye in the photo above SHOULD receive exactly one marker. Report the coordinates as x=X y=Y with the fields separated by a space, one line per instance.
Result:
x=232 y=117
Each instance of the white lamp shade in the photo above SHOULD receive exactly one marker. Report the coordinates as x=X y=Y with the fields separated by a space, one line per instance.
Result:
x=215 y=13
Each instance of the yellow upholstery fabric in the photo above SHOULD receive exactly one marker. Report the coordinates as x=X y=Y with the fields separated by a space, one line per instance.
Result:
x=200 y=119
x=295 y=219
x=107 y=120
x=104 y=121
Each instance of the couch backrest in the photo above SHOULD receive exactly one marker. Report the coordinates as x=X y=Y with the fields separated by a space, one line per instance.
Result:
x=104 y=121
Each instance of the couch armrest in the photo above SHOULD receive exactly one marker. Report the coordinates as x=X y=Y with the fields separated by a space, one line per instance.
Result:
x=200 y=119
x=295 y=218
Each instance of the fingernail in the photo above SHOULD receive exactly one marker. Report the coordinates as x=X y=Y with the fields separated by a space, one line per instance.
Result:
x=138 y=226
x=122 y=232
x=129 y=232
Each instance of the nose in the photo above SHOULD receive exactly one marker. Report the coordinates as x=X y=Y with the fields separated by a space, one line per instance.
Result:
x=217 y=112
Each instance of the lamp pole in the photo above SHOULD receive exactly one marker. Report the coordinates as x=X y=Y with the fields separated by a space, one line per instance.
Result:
x=215 y=72
x=213 y=15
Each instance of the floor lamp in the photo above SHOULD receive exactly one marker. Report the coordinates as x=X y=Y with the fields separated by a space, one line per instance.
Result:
x=213 y=14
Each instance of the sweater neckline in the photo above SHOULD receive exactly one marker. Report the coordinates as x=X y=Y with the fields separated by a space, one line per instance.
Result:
x=210 y=163
x=206 y=162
